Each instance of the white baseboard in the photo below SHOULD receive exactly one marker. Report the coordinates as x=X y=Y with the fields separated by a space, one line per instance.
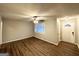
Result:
x=16 y=39
x=48 y=41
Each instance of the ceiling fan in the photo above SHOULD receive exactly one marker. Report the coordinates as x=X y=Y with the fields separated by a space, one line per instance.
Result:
x=36 y=19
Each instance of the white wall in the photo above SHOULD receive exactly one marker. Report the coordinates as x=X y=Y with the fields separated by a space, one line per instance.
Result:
x=77 y=27
x=0 y=30
x=16 y=29
x=59 y=29
x=50 y=34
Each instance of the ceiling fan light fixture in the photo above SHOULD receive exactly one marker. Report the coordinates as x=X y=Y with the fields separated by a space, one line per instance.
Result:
x=35 y=21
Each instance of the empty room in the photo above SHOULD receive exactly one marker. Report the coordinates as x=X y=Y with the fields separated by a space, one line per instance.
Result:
x=39 y=29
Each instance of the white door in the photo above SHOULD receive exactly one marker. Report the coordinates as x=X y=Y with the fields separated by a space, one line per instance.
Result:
x=68 y=30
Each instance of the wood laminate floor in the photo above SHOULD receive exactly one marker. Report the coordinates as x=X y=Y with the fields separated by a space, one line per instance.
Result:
x=36 y=47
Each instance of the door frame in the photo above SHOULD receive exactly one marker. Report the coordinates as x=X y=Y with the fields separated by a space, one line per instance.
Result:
x=59 y=29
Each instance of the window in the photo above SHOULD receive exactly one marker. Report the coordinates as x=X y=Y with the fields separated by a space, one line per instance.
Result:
x=39 y=27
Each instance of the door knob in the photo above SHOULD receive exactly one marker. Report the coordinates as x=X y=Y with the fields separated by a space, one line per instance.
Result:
x=72 y=33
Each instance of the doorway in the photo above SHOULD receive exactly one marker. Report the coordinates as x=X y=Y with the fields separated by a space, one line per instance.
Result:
x=66 y=30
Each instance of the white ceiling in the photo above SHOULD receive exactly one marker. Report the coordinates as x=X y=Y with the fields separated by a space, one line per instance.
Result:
x=22 y=11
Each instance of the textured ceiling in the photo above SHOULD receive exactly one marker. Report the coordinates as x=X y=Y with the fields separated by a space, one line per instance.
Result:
x=21 y=10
